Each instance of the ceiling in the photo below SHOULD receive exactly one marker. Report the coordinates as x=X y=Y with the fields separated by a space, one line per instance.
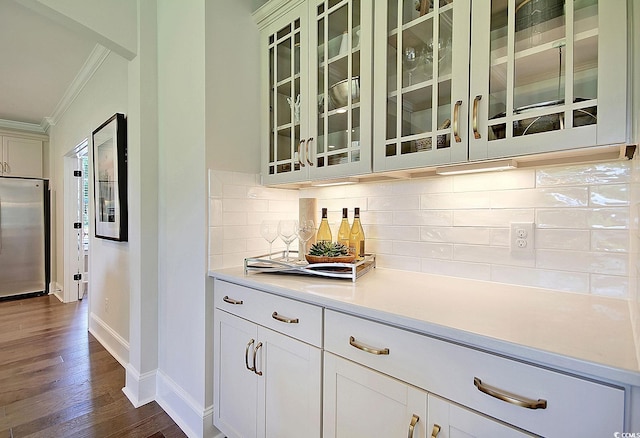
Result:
x=39 y=60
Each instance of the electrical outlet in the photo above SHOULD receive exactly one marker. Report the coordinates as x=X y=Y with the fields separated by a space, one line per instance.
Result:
x=521 y=237
x=106 y=305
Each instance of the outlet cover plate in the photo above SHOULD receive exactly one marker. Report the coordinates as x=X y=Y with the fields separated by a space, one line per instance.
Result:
x=521 y=237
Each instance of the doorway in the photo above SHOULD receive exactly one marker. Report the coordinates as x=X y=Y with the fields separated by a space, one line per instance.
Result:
x=76 y=223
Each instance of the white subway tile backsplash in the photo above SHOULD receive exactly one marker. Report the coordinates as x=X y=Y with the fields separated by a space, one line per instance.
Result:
x=549 y=279
x=460 y=225
x=609 y=285
x=610 y=240
x=423 y=217
x=598 y=173
x=547 y=197
x=609 y=195
x=452 y=201
x=468 y=235
x=424 y=249
x=476 y=271
x=580 y=261
x=393 y=203
x=519 y=179
x=215 y=212
x=497 y=255
x=573 y=240
x=491 y=217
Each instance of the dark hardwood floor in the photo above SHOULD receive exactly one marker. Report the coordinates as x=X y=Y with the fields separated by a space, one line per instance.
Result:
x=56 y=380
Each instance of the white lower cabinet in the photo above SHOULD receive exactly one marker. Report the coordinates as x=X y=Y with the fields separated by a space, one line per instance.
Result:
x=266 y=384
x=284 y=368
x=448 y=420
x=360 y=402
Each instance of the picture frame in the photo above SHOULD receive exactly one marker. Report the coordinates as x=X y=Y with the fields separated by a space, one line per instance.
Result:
x=109 y=147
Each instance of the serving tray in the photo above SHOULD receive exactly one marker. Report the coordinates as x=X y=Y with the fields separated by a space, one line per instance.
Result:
x=276 y=264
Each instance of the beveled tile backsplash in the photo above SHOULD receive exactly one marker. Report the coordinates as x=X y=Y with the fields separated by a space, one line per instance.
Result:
x=585 y=238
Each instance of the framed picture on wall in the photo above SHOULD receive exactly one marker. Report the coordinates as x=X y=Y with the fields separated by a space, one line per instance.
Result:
x=110 y=178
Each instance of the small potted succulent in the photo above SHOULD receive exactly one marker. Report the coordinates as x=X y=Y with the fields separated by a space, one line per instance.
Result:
x=329 y=252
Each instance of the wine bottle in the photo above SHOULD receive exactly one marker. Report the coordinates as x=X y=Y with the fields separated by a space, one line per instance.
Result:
x=324 y=232
x=344 y=230
x=356 y=236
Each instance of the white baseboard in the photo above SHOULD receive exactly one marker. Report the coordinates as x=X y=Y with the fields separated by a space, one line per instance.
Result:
x=115 y=344
x=140 y=389
x=56 y=290
x=194 y=421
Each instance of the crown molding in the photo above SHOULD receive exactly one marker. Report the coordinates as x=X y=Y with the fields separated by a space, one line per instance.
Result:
x=21 y=126
x=90 y=66
x=272 y=10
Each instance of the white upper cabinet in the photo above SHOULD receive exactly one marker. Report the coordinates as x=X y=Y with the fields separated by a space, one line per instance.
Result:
x=317 y=123
x=21 y=157
x=547 y=75
x=422 y=83
x=500 y=78
x=348 y=90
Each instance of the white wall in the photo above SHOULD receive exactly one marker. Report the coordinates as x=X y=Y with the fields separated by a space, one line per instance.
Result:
x=233 y=93
x=182 y=212
x=104 y=94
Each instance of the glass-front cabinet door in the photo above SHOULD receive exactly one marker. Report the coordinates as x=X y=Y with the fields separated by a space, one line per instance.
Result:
x=547 y=75
x=341 y=80
x=285 y=97
x=422 y=76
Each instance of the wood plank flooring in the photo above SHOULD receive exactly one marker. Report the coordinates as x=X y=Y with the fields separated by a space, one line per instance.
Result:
x=56 y=380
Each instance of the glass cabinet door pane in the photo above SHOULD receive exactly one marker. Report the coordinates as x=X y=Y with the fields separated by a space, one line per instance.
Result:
x=419 y=67
x=284 y=98
x=338 y=117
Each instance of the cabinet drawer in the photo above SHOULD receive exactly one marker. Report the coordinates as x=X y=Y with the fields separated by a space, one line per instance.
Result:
x=574 y=406
x=290 y=317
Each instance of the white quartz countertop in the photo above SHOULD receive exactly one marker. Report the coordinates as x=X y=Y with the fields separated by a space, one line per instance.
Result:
x=582 y=334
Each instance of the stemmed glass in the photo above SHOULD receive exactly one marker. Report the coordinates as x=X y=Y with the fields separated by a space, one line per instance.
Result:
x=306 y=230
x=410 y=61
x=269 y=230
x=288 y=230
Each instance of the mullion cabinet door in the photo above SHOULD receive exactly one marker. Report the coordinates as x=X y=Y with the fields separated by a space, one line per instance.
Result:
x=542 y=76
x=421 y=92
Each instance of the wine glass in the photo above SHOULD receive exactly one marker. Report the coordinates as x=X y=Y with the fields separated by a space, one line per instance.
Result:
x=288 y=230
x=306 y=230
x=409 y=61
x=269 y=230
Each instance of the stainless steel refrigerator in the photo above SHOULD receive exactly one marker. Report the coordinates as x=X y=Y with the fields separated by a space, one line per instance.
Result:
x=24 y=243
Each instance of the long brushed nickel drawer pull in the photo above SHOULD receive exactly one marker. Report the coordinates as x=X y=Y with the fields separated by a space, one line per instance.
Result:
x=412 y=425
x=360 y=346
x=246 y=356
x=226 y=299
x=255 y=353
x=435 y=431
x=509 y=397
x=280 y=318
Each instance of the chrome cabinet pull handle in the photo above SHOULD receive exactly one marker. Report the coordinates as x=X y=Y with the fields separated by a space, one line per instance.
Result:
x=281 y=318
x=456 y=115
x=255 y=353
x=308 y=149
x=509 y=397
x=246 y=356
x=435 y=431
x=476 y=134
x=226 y=299
x=361 y=346
x=412 y=425
x=299 y=158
